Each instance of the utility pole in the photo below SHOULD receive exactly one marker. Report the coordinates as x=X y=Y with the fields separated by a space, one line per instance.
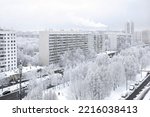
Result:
x=20 y=73
x=126 y=84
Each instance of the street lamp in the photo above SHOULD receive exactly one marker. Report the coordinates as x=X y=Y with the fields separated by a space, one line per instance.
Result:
x=126 y=83
x=126 y=79
x=20 y=73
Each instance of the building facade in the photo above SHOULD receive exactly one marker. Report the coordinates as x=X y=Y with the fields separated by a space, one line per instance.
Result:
x=116 y=40
x=8 y=50
x=54 y=43
x=146 y=36
x=129 y=27
x=137 y=36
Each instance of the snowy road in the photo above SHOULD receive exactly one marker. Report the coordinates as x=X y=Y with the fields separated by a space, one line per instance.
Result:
x=139 y=89
x=13 y=87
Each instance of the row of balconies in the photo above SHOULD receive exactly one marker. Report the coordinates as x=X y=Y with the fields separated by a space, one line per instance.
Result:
x=66 y=35
x=69 y=41
x=65 y=48
x=75 y=39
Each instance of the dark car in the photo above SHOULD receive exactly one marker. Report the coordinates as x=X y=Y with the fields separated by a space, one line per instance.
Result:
x=147 y=73
x=6 y=92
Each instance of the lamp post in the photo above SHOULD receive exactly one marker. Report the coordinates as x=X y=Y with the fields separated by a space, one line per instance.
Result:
x=126 y=79
x=20 y=73
x=126 y=83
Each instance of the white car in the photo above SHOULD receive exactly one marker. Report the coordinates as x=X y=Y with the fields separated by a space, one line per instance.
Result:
x=136 y=83
x=124 y=95
x=148 y=84
x=132 y=87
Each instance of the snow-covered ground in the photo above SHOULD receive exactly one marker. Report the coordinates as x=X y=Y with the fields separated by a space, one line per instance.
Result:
x=140 y=95
x=147 y=97
x=13 y=72
x=13 y=87
x=63 y=93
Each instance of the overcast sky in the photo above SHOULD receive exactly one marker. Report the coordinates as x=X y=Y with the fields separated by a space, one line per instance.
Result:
x=62 y=14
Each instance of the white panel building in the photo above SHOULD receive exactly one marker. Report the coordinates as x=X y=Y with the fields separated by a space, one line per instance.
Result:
x=8 y=50
x=137 y=36
x=129 y=27
x=146 y=36
x=116 y=40
x=54 y=43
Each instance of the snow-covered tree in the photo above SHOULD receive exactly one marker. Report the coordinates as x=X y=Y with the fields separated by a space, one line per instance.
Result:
x=49 y=95
x=145 y=60
x=72 y=57
x=117 y=73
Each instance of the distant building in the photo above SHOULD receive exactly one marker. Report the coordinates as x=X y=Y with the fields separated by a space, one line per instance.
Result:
x=138 y=36
x=8 y=50
x=146 y=36
x=116 y=40
x=54 y=43
x=27 y=34
x=96 y=40
x=129 y=27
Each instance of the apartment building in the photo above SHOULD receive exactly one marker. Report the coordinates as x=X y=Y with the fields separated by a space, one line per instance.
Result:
x=129 y=27
x=146 y=36
x=138 y=36
x=98 y=40
x=8 y=50
x=54 y=43
x=116 y=40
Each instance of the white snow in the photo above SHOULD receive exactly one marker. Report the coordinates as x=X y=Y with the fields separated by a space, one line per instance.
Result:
x=147 y=97
x=13 y=87
x=115 y=95
x=16 y=71
x=142 y=93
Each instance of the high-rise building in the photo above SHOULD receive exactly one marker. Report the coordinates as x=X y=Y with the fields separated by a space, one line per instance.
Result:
x=129 y=27
x=146 y=36
x=54 y=43
x=8 y=50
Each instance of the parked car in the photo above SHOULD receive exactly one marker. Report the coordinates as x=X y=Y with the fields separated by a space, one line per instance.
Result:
x=124 y=95
x=132 y=87
x=44 y=75
x=6 y=92
x=13 y=82
x=147 y=73
x=136 y=83
x=141 y=80
x=148 y=84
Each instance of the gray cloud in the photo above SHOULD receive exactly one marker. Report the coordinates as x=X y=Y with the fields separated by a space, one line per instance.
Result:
x=41 y=14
